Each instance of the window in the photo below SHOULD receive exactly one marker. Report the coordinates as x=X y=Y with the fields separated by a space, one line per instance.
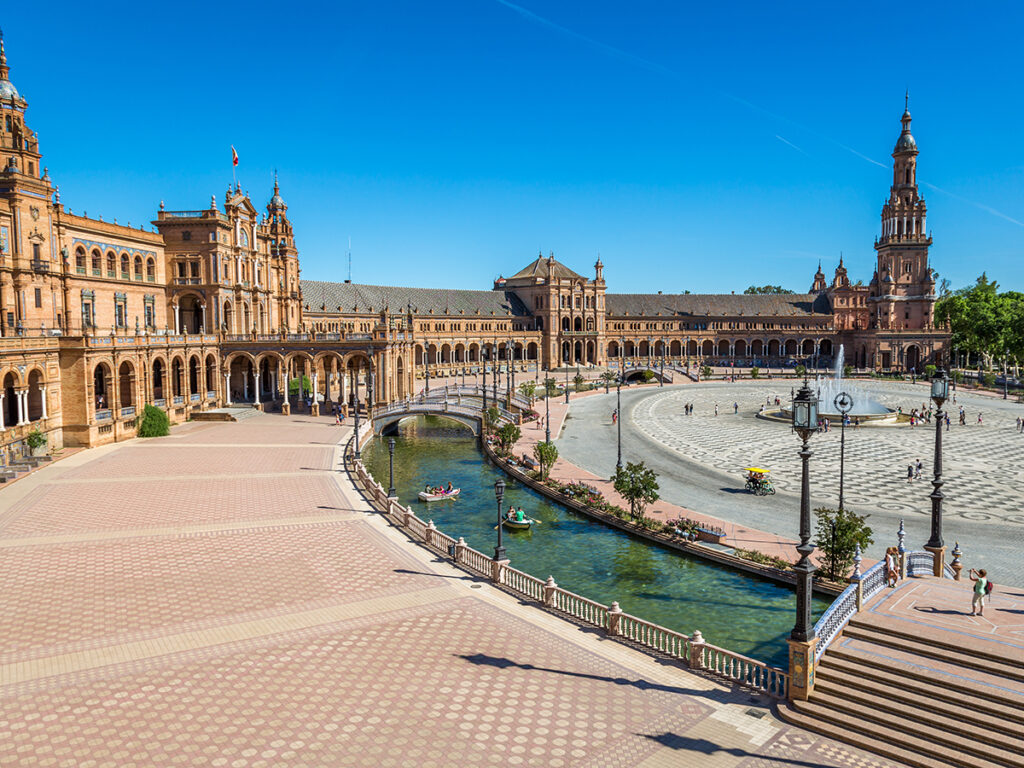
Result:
x=111 y=264
x=80 y=261
x=86 y=314
x=96 y=263
x=37 y=253
x=186 y=235
x=150 y=270
x=39 y=298
x=149 y=315
x=119 y=314
x=138 y=267
x=194 y=268
x=124 y=265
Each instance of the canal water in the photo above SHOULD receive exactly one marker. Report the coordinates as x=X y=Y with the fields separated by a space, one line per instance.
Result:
x=733 y=610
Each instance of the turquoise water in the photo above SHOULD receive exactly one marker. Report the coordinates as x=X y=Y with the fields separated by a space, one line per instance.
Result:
x=733 y=610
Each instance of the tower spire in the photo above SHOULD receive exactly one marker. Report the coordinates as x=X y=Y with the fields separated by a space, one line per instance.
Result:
x=4 y=69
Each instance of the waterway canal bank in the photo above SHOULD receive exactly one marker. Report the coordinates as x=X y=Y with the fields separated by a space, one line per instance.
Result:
x=744 y=613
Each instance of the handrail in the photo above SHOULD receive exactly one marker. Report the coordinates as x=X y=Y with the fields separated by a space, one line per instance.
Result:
x=846 y=605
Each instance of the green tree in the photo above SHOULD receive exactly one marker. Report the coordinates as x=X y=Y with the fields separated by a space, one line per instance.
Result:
x=528 y=389
x=546 y=455
x=838 y=546
x=763 y=290
x=550 y=387
x=705 y=371
x=491 y=418
x=647 y=376
x=609 y=378
x=152 y=423
x=508 y=436
x=578 y=381
x=800 y=370
x=983 y=321
x=293 y=385
x=638 y=485
x=755 y=372
x=847 y=370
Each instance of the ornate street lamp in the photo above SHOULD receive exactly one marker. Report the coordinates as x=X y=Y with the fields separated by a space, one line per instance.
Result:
x=940 y=393
x=566 y=386
x=494 y=373
x=844 y=404
x=547 y=408
x=356 y=407
x=483 y=389
x=426 y=374
x=391 y=469
x=805 y=423
x=618 y=420
x=499 y=492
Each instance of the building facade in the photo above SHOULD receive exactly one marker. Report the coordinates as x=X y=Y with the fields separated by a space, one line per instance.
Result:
x=207 y=308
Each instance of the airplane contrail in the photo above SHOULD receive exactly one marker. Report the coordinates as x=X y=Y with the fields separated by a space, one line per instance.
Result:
x=975 y=203
x=789 y=143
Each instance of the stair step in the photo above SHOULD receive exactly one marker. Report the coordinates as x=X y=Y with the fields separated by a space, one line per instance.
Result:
x=940 y=736
x=907 y=669
x=937 y=642
x=882 y=741
x=1009 y=715
x=956 y=657
x=958 y=720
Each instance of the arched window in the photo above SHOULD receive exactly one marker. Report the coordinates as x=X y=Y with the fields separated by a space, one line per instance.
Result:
x=150 y=270
x=80 y=260
x=96 y=263
x=908 y=176
x=125 y=266
x=111 y=264
x=138 y=267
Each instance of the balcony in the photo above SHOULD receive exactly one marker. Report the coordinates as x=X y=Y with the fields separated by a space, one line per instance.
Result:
x=40 y=265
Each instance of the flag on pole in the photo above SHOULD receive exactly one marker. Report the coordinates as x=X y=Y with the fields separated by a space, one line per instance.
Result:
x=234 y=156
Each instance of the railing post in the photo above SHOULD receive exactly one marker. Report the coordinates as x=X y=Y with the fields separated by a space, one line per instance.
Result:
x=696 y=660
x=855 y=577
x=614 y=614
x=901 y=548
x=428 y=534
x=497 y=566
x=407 y=515
x=460 y=550
x=549 y=592
x=957 y=566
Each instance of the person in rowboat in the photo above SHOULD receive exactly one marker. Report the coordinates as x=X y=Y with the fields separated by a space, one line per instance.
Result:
x=450 y=488
x=520 y=517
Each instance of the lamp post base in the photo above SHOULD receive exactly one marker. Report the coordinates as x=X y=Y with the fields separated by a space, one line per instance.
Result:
x=939 y=560
x=286 y=408
x=801 y=668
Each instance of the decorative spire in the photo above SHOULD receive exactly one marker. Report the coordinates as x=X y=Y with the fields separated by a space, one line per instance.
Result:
x=4 y=69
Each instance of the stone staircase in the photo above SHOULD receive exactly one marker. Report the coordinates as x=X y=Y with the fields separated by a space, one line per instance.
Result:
x=922 y=700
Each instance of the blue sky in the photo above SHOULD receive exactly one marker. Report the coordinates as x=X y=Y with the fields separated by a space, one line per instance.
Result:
x=699 y=147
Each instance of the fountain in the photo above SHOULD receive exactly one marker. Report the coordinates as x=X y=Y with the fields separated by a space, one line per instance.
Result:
x=864 y=404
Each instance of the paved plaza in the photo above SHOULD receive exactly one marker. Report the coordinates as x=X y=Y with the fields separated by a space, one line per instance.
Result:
x=700 y=458
x=224 y=597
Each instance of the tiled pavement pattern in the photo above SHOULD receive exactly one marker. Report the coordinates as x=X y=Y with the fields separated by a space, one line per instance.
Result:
x=983 y=471
x=256 y=614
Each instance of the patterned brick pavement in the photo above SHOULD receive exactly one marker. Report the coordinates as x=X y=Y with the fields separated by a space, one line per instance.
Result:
x=223 y=598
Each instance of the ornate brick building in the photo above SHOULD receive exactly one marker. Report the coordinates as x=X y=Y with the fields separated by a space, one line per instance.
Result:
x=98 y=318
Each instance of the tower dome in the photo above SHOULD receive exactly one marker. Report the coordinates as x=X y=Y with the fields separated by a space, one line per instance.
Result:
x=906 y=142
x=7 y=90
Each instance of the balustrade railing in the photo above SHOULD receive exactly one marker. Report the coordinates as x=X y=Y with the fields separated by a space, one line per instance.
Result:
x=128 y=410
x=920 y=563
x=103 y=414
x=160 y=402
x=693 y=651
x=845 y=607
x=179 y=399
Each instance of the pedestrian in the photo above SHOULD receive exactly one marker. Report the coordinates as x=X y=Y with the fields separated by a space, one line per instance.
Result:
x=979 y=418
x=716 y=409
x=615 y=415
x=947 y=422
x=910 y=473
x=981 y=588
x=918 y=469
x=735 y=408
x=1018 y=423
x=892 y=570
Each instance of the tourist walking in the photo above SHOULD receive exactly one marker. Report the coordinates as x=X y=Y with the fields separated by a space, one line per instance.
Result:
x=892 y=569
x=615 y=415
x=948 y=421
x=735 y=408
x=910 y=473
x=1018 y=423
x=981 y=588
x=918 y=469
x=979 y=418
x=716 y=409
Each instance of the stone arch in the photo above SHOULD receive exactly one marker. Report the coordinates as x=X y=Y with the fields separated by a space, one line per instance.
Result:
x=101 y=385
x=460 y=353
x=531 y=351
x=613 y=349
x=791 y=347
x=577 y=324
x=137 y=272
x=708 y=348
x=807 y=347
x=11 y=383
x=195 y=373
x=740 y=348
x=190 y=314
x=723 y=348
x=757 y=347
x=591 y=359
x=691 y=348
x=630 y=349
x=178 y=376
x=474 y=352
x=36 y=382
x=774 y=348
x=446 y=353
x=418 y=355
x=159 y=378
x=825 y=347
x=912 y=358
x=126 y=263
x=229 y=317
x=126 y=384
x=210 y=374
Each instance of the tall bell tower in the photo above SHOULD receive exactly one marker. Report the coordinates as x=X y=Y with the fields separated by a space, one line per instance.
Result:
x=905 y=292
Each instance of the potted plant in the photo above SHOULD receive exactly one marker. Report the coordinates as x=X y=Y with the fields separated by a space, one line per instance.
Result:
x=36 y=441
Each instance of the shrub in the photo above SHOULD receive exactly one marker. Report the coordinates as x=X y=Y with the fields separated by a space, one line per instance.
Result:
x=705 y=371
x=153 y=423
x=647 y=376
x=759 y=557
x=847 y=370
x=929 y=371
x=35 y=439
x=988 y=379
x=755 y=372
x=800 y=370
x=508 y=435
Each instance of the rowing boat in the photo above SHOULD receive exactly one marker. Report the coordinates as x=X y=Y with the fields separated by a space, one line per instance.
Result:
x=517 y=525
x=424 y=496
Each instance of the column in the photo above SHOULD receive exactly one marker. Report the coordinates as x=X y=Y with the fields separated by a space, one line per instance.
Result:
x=245 y=385
x=2 y=396
x=42 y=392
x=177 y=319
x=227 y=389
x=256 y=385
x=22 y=410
